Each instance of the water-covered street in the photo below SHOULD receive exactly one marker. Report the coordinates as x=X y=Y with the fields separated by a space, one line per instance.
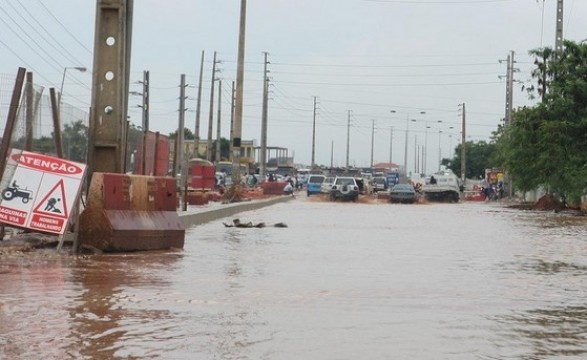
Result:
x=342 y=281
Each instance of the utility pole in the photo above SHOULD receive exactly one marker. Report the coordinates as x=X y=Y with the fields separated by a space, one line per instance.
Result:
x=348 y=138
x=231 y=123
x=416 y=155
x=145 y=124
x=238 y=113
x=439 y=149
x=372 y=140
x=211 y=113
x=507 y=118
x=406 y=145
x=391 y=144
x=178 y=158
x=314 y=136
x=558 y=44
x=263 y=154
x=198 y=110
x=463 y=147
x=332 y=155
x=509 y=89
x=219 y=122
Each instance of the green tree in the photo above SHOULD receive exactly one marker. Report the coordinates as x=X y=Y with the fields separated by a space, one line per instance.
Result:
x=75 y=141
x=187 y=134
x=545 y=145
x=478 y=157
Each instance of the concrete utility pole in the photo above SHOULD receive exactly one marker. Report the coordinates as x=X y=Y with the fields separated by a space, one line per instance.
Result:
x=145 y=123
x=406 y=144
x=372 y=140
x=231 y=123
x=238 y=112
x=558 y=44
x=510 y=89
x=198 y=110
x=507 y=91
x=391 y=144
x=110 y=82
x=332 y=154
x=211 y=113
x=179 y=136
x=463 y=148
x=314 y=136
x=263 y=154
x=439 y=149
x=348 y=138
x=219 y=122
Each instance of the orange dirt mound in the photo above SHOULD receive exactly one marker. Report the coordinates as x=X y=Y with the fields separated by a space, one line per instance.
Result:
x=548 y=202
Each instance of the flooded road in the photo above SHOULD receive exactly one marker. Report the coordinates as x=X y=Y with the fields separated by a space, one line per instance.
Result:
x=343 y=281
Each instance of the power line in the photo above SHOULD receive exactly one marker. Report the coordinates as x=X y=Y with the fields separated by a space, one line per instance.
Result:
x=63 y=49
x=64 y=27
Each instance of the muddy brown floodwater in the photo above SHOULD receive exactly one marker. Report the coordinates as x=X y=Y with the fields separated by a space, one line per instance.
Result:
x=343 y=281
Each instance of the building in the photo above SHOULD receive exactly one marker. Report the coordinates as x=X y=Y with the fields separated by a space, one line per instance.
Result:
x=248 y=150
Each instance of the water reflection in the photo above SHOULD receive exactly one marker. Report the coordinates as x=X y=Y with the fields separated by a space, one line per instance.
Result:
x=546 y=333
x=109 y=317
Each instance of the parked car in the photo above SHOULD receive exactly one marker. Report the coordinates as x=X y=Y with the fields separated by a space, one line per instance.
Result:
x=345 y=188
x=403 y=193
x=314 y=184
x=379 y=184
x=327 y=185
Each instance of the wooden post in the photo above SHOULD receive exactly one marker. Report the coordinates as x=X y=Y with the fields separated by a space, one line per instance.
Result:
x=56 y=123
x=11 y=120
x=29 y=112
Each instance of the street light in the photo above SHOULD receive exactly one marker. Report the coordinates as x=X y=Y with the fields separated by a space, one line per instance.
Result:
x=78 y=68
x=406 y=140
x=439 y=150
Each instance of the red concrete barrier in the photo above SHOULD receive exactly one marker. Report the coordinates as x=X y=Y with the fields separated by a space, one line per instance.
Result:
x=131 y=213
x=273 y=188
x=197 y=198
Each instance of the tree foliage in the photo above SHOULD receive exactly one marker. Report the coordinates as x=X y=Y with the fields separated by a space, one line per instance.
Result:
x=478 y=157
x=75 y=141
x=545 y=144
x=187 y=134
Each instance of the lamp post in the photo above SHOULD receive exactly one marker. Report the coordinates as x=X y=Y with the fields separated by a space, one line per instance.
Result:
x=406 y=144
x=425 y=152
x=78 y=68
x=439 y=150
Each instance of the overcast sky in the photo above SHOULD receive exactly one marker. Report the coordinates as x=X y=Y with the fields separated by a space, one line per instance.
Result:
x=371 y=57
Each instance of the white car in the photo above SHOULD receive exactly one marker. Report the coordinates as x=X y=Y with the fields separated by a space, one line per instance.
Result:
x=345 y=188
x=327 y=185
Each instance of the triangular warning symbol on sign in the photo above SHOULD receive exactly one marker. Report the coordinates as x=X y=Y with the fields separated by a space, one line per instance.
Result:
x=54 y=203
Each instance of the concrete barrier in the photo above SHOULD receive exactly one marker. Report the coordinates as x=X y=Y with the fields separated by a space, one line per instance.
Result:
x=193 y=219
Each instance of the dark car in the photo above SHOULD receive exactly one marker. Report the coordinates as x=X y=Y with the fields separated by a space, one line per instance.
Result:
x=403 y=193
x=344 y=188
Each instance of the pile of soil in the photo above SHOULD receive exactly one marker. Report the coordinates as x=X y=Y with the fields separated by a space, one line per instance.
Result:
x=548 y=203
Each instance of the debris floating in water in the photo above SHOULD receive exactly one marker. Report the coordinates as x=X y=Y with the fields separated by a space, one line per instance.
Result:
x=237 y=223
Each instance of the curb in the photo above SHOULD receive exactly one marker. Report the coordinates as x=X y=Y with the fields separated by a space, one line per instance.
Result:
x=215 y=214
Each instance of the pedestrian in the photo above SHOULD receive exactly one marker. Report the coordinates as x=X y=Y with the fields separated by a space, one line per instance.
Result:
x=288 y=189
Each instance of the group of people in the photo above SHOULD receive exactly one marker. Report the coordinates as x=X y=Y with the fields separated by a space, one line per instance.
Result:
x=492 y=191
